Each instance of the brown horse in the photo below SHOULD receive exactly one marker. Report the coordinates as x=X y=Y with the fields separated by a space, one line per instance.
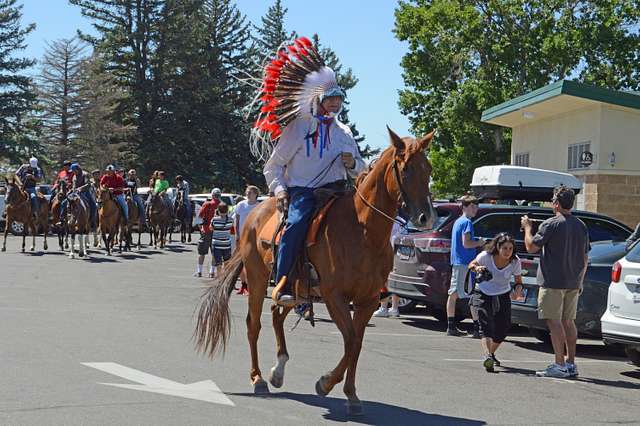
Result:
x=77 y=222
x=19 y=209
x=185 y=221
x=136 y=217
x=110 y=217
x=56 y=205
x=356 y=223
x=159 y=220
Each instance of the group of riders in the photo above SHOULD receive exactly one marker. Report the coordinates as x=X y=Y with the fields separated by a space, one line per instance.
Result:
x=72 y=178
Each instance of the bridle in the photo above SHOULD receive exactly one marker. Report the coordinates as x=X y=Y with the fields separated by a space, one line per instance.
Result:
x=403 y=194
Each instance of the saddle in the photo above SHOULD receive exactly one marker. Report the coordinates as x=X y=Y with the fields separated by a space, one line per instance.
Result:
x=325 y=197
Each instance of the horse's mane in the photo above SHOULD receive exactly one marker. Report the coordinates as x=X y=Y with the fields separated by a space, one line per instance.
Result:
x=363 y=174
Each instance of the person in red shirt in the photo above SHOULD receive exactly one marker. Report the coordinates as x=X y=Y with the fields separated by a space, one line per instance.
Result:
x=64 y=175
x=206 y=214
x=116 y=185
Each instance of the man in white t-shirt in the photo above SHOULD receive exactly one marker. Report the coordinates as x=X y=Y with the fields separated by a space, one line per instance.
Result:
x=242 y=210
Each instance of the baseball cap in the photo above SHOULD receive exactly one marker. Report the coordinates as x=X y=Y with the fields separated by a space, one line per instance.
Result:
x=110 y=168
x=216 y=191
x=74 y=166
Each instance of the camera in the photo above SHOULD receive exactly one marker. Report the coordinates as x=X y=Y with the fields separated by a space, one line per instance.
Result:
x=483 y=275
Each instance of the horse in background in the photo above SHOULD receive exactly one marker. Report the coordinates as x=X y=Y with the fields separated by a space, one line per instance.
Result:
x=56 y=205
x=19 y=209
x=77 y=222
x=186 y=221
x=160 y=220
x=110 y=219
x=358 y=222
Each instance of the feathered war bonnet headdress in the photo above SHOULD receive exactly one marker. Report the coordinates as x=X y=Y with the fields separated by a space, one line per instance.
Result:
x=294 y=84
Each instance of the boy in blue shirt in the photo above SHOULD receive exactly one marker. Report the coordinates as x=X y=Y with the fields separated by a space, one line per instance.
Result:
x=463 y=251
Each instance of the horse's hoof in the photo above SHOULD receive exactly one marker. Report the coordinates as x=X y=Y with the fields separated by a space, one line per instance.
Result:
x=46 y=247
x=320 y=388
x=354 y=408
x=276 y=379
x=4 y=249
x=260 y=387
x=23 y=250
x=32 y=248
x=81 y=254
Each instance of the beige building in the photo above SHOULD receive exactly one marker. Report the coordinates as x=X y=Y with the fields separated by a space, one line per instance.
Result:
x=552 y=128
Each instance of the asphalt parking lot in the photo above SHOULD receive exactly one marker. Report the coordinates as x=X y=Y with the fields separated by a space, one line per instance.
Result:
x=107 y=341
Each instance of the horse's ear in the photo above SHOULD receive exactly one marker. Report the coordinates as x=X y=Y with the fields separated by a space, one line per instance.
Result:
x=424 y=142
x=396 y=141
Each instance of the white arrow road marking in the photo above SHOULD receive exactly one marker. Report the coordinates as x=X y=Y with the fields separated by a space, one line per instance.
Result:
x=205 y=390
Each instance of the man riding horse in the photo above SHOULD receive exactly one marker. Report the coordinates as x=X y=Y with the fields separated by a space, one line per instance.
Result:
x=80 y=183
x=30 y=174
x=315 y=150
x=116 y=185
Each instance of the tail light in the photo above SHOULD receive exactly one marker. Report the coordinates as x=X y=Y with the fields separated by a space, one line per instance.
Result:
x=433 y=245
x=616 y=271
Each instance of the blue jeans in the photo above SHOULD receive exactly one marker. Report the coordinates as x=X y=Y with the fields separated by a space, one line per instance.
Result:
x=123 y=205
x=34 y=200
x=302 y=204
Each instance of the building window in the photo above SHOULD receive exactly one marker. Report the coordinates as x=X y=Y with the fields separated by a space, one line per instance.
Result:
x=522 y=159
x=575 y=152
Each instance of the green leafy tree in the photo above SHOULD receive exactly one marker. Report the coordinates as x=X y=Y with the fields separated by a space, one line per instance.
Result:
x=465 y=57
x=18 y=127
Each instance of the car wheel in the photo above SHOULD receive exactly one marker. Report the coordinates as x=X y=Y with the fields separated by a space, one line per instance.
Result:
x=17 y=228
x=406 y=306
x=634 y=355
x=542 y=335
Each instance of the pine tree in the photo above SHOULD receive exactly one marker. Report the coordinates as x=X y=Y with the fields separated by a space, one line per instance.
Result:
x=347 y=81
x=58 y=93
x=100 y=137
x=272 y=32
x=18 y=131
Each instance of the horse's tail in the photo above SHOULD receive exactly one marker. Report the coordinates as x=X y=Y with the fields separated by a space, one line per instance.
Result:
x=213 y=320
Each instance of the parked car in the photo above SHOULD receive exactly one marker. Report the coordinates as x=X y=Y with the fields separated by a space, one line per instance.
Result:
x=592 y=302
x=422 y=272
x=621 y=320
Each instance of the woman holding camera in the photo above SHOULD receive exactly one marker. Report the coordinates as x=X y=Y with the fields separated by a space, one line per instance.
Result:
x=492 y=294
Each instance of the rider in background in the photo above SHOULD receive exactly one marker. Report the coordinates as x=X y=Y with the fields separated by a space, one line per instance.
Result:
x=132 y=185
x=116 y=185
x=29 y=175
x=185 y=188
x=63 y=176
x=161 y=185
x=81 y=182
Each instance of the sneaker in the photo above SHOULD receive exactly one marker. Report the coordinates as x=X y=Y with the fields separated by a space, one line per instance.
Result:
x=488 y=364
x=197 y=274
x=381 y=313
x=394 y=313
x=455 y=332
x=554 y=370
x=495 y=360
x=572 y=369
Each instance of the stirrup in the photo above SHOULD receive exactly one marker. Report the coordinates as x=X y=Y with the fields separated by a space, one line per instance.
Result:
x=282 y=299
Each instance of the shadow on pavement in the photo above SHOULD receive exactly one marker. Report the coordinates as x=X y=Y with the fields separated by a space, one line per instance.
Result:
x=132 y=256
x=427 y=324
x=633 y=374
x=375 y=413
x=150 y=251
x=612 y=383
x=44 y=253
x=176 y=249
x=105 y=259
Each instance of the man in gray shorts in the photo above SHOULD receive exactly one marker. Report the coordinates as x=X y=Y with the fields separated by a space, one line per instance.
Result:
x=564 y=241
x=463 y=251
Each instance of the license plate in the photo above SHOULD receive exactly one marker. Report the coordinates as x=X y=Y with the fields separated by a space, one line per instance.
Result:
x=523 y=298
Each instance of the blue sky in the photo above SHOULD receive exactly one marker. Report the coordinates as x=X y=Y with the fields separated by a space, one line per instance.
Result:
x=358 y=31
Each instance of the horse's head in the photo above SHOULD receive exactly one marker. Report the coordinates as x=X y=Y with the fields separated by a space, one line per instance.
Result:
x=104 y=194
x=13 y=191
x=75 y=208
x=409 y=176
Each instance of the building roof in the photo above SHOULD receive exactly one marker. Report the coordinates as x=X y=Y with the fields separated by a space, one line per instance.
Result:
x=553 y=99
